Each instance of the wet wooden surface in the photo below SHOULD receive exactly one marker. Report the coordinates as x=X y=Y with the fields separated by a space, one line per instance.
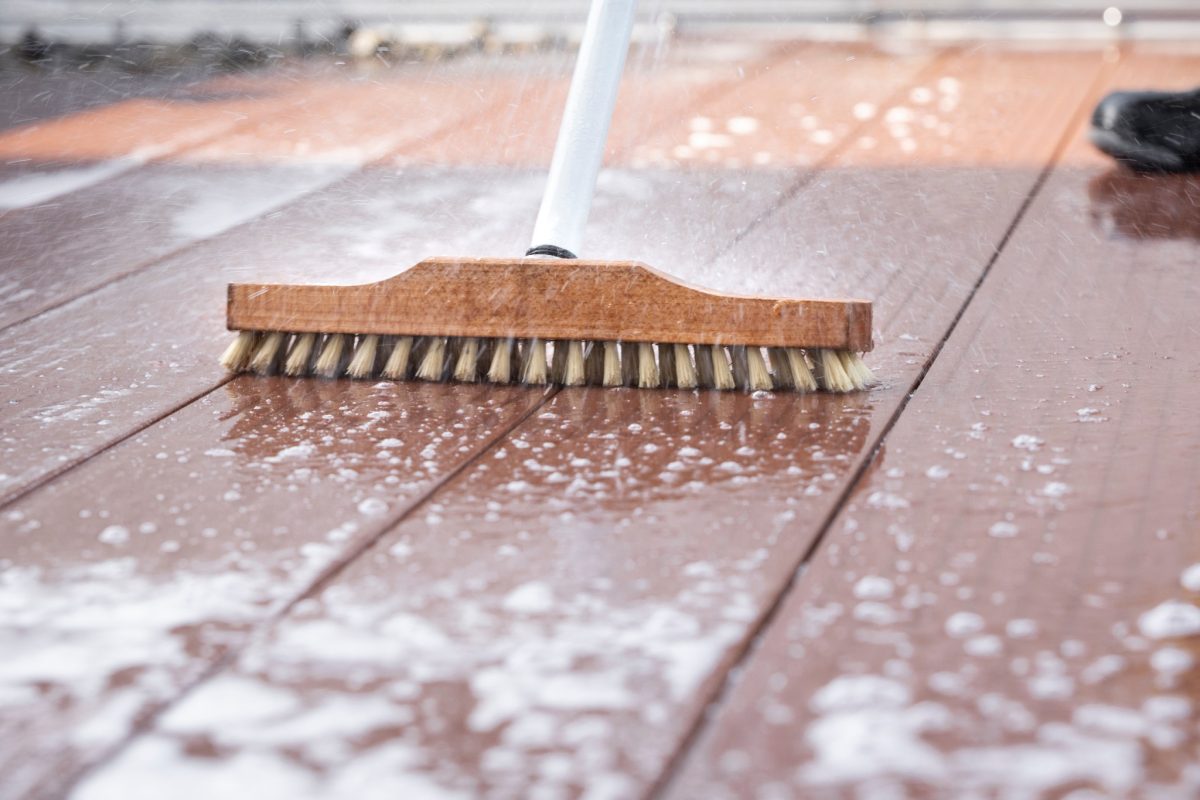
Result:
x=213 y=164
x=1004 y=603
x=327 y=588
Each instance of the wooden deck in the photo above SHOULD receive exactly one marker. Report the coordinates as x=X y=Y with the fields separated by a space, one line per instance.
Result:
x=979 y=579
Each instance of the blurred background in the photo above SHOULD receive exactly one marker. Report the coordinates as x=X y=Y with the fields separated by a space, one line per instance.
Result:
x=308 y=24
x=85 y=51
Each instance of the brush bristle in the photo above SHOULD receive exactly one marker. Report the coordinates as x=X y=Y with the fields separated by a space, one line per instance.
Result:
x=330 y=361
x=433 y=362
x=647 y=367
x=629 y=363
x=759 y=376
x=781 y=367
x=575 y=363
x=558 y=361
x=666 y=366
x=831 y=373
x=300 y=354
x=533 y=362
x=722 y=374
x=500 y=368
x=858 y=371
x=685 y=373
x=396 y=366
x=266 y=356
x=575 y=373
x=593 y=364
x=363 y=363
x=802 y=376
x=612 y=364
x=237 y=356
x=704 y=367
x=468 y=360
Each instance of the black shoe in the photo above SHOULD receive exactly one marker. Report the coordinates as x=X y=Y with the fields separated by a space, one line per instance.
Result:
x=1151 y=131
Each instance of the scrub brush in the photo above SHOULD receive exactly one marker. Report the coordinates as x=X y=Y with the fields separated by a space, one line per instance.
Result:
x=551 y=318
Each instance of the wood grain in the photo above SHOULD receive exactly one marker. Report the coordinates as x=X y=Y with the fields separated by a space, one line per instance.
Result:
x=987 y=614
x=549 y=299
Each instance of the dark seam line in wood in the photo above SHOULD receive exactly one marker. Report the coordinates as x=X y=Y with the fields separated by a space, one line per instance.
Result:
x=750 y=641
x=21 y=491
x=146 y=721
x=809 y=173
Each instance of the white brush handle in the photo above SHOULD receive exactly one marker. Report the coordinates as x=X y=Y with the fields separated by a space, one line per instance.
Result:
x=580 y=147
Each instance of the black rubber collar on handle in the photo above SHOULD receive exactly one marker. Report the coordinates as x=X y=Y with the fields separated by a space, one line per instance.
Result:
x=550 y=250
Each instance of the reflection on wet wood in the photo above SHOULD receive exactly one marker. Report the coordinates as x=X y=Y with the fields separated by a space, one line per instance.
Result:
x=562 y=602
x=128 y=581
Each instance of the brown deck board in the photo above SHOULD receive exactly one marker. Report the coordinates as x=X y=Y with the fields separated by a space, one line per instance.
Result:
x=33 y=95
x=557 y=616
x=986 y=615
x=281 y=147
x=49 y=158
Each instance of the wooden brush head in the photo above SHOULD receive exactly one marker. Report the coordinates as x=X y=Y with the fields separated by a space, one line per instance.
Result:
x=538 y=298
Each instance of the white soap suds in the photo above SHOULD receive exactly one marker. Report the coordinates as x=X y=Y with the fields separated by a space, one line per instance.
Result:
x=1056 y=489
x=1190 y=578
x=868 y=734
x=873 y=587
x=963 y=624
x=1003 y=530
x=1021 y=628
x=742 y=126
x=114 y=534
x=373 y=507
x=534 y=597
x=1170 y=619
